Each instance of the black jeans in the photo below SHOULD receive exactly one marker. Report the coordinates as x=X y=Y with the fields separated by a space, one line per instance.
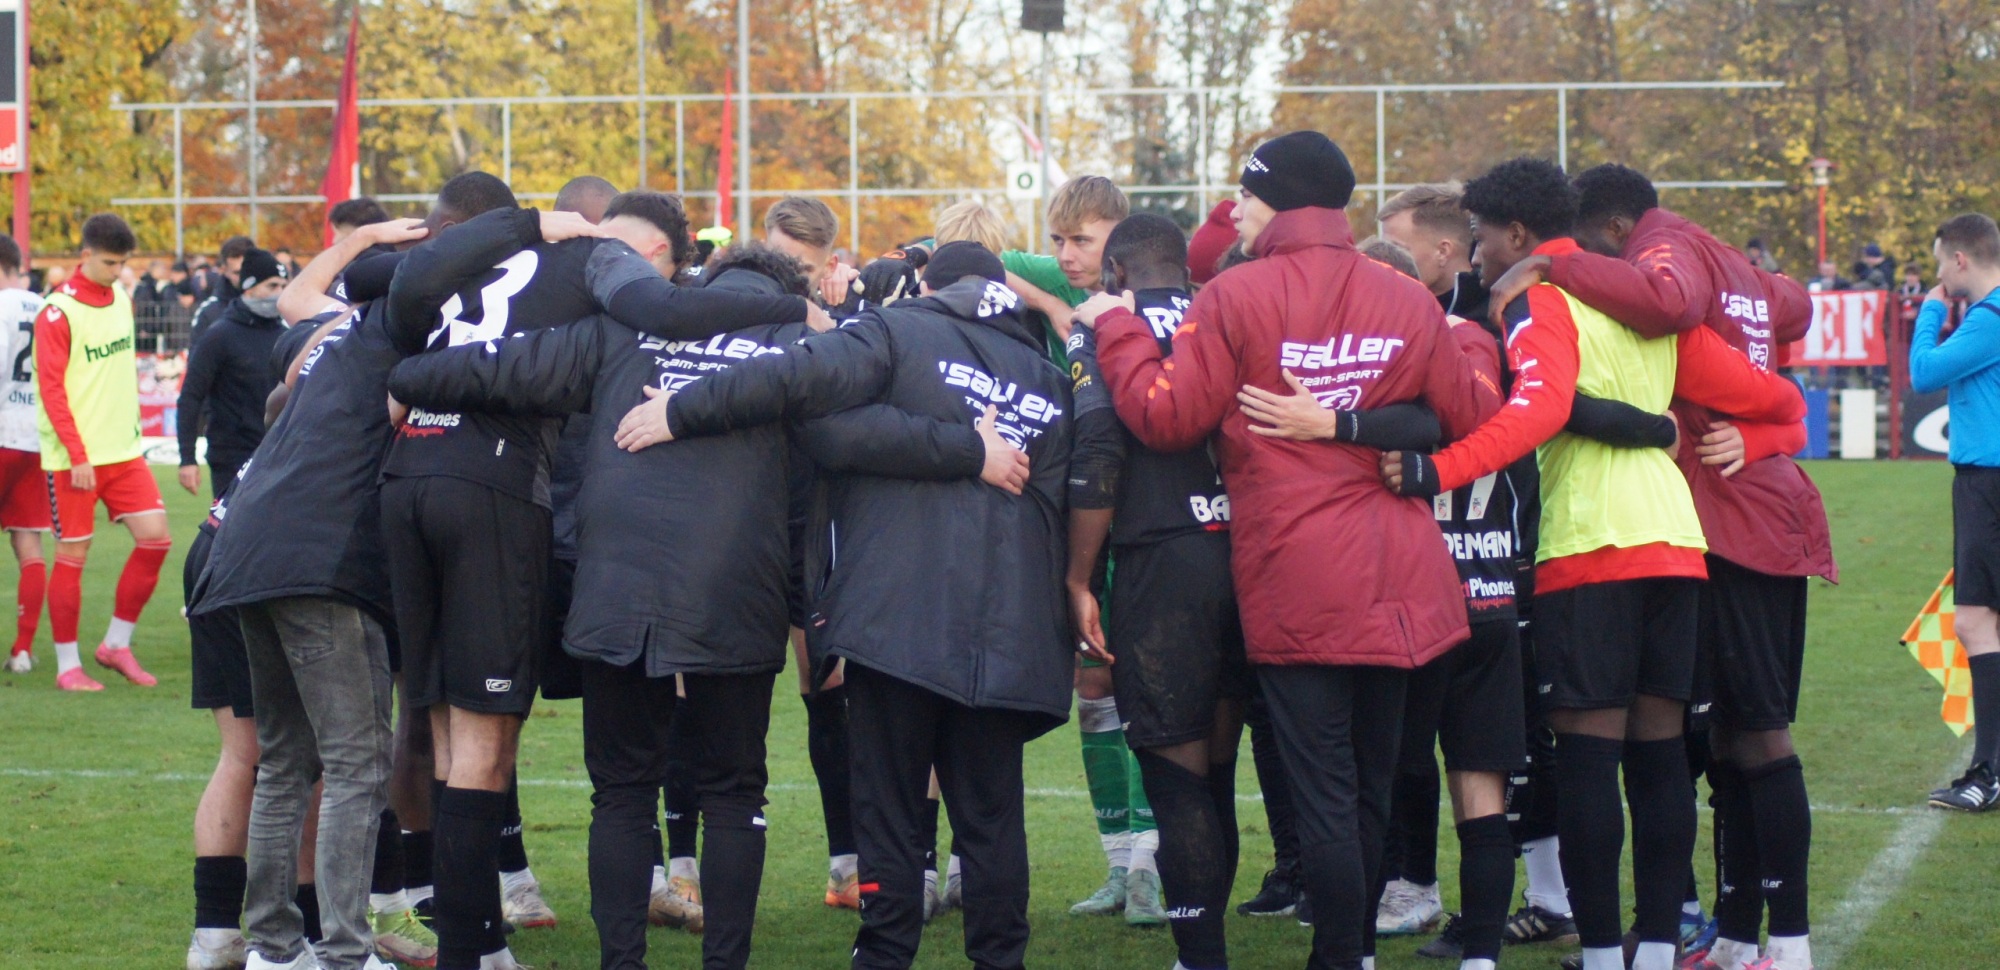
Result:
x=1339 y=729
x=897 y=732
x=625 y=747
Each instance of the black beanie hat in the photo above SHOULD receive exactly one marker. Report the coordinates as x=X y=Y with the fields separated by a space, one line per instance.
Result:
x=1304 y=168
x=258 y=266
x=955 y=261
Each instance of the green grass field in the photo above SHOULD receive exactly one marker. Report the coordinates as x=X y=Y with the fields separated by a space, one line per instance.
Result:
x=97 y=794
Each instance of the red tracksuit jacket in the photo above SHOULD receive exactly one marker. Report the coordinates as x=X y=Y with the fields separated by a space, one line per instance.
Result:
x=1674 y=277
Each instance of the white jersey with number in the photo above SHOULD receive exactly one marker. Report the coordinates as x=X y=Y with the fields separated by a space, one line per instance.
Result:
x=17 y=341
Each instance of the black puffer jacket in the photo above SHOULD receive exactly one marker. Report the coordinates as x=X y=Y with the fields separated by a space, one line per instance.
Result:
x=683 y=556
x=952 y=585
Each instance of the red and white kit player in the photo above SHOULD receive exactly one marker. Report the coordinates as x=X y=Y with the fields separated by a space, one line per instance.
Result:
x=24 y=491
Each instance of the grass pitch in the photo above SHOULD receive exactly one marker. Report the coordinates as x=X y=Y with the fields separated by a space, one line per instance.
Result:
x=97 y=795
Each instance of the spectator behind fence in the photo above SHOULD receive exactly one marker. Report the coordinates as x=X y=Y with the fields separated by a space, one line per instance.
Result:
x=1829 y=278
x=1874 y=271
x=1760 y=256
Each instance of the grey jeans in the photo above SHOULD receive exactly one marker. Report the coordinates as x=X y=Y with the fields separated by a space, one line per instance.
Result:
x=319 y=670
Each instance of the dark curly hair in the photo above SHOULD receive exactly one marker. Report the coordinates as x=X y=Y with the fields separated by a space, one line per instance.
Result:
x=756 y=257
x=666 y=214
x=1531 y=191
x=1613 y=190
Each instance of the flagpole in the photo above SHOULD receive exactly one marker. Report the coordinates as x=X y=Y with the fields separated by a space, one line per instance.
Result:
x=22 y=224
x=743 y=116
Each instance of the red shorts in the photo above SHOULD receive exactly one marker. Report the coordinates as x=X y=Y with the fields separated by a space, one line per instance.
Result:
x=126 y=488
x=24 y=492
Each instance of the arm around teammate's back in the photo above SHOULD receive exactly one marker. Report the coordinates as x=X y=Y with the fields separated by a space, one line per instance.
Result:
x=544 y=372
x=822 y=374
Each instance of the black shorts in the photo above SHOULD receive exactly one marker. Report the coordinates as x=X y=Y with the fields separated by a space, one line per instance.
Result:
x=469 y=567
x=1750 y=648
x=215 y=646
x=1177 y=637
x=561 y=678
x=1975 y=535
x=1600 y=645
x=1469 y=701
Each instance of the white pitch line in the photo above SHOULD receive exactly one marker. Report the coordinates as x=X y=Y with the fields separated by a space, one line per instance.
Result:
x=788 y=787
x=1882 y=880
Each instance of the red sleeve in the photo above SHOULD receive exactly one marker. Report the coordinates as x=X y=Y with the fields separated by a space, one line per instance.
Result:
x=1544 y=351
x=1482 y=353
x=1664 y=290
x=1171 y=404
x=51 y=363
x=1791 y=309
x=1716 y=376
x=1761 y=439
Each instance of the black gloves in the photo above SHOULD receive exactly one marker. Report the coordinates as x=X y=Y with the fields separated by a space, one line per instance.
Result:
x=1420 y=476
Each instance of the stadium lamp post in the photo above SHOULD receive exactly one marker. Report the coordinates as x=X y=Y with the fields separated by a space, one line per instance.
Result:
x=1822 y=169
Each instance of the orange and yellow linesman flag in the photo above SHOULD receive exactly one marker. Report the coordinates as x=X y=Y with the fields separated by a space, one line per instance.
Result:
x=1934 y=643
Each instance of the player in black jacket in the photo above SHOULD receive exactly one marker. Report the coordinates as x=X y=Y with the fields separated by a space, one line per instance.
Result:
x=691 y=582
x=965 y=681
x=299 y=555
x=466 y=506
x=228 y=376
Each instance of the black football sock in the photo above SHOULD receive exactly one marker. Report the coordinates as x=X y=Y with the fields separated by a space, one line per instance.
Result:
x=1591 y=823
x=418 y=853
x=683 y=805
x=387 y=877
x=1663 y=824
x=1485 y=883
x=683 y=819
x=1784 y=840
x=929 y=834
x=1414 y=809
x=1985 y=697
x=306 y=897
x=513 y=851
x=1739 y=901
x=219 y=881
x=826 y=746
x=1192 y=859
x=466 y=823
x=1222 y=788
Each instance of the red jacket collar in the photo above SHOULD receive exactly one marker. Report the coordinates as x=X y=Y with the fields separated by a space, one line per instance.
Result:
x=80 y=288
x=1653 y=221
x=1560 y=246
x=1296 y=229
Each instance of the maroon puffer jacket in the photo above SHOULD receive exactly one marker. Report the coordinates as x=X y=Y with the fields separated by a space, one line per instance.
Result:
x=1330 y=567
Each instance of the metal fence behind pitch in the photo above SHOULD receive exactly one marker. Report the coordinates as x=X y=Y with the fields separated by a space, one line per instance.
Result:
x=1213 y=170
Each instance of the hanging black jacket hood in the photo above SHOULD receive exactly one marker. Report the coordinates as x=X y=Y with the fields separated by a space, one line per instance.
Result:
x=949 y=584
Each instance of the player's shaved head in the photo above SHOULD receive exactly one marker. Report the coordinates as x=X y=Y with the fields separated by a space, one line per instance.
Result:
x=587 y=196
x=1147 y=250
x=470 y=194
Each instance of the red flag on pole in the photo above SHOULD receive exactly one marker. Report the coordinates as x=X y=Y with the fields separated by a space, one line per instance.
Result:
x=343 y=165
x=725 y=175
